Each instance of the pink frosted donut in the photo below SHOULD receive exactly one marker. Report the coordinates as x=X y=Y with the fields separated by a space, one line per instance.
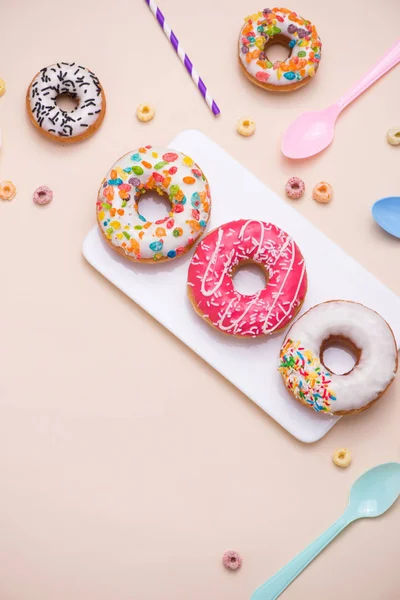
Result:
x=221 y=252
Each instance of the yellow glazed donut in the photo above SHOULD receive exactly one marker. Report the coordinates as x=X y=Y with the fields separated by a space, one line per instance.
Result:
x=168 y=172
x=76 y=82
x=286 y=28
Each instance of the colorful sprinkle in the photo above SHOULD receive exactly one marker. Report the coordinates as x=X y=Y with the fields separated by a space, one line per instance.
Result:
x=305 y=376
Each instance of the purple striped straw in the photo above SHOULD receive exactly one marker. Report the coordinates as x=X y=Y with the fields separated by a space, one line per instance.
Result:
x=183 y=56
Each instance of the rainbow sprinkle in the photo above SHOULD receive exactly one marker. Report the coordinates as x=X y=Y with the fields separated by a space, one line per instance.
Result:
x=305 y=376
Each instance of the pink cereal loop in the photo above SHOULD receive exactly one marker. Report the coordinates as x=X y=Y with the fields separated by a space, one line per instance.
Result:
x=210 y=278
x=231 y=560
x=42 y=195
x=295 y=188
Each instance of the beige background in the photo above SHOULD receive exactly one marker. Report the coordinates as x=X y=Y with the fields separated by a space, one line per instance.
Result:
x=127 y=465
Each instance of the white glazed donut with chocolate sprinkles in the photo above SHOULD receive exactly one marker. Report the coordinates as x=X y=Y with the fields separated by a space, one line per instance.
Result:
x=78 y=83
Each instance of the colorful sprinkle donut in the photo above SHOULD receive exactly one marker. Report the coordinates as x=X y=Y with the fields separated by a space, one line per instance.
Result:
x=78 y=83
x=168 y=172
x=284 y=27
x=221 y=252
x=349 y=324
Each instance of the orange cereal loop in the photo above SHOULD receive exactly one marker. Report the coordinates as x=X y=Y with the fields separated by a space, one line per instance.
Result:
x=179 y=195
x=146 y=164
x=322 y=192
x=249 y=57
x=166 y=181
x=121 y=211
x=142 y=150
x=7 y=190
x=112 y=212
x=114 y=174
x=189 y=180
x=141 y=234
x=147 y=225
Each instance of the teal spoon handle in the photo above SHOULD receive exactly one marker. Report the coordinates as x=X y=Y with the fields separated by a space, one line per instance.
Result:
x=274 y=587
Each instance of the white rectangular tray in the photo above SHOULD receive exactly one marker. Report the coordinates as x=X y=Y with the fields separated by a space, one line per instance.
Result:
x=251 y=365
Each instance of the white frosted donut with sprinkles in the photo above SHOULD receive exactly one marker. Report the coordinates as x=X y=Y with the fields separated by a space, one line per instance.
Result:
x=348 y=324
x=167 y=172
x=75 y=81
x=221 y=252
x=286 y=28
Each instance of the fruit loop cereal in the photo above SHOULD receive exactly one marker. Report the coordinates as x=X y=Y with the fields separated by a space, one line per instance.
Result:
x=246 y=126
x=295 y=188
x=392 y=136
x=322 y=192
x=2 y=87
x=166 y=172
x=145 y=112
x=282 y=26
x=43 y=195
x=342 y=457
x=232 y=560
x=7 y=190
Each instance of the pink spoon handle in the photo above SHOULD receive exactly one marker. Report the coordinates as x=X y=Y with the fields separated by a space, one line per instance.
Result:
x=389 y=60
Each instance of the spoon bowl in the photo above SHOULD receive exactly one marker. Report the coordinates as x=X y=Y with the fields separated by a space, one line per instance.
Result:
x=375 y=491
x=386 y=213
x=310 y=133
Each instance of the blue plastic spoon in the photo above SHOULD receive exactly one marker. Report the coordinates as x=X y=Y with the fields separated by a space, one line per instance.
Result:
x=386 y=213
x=371 y=495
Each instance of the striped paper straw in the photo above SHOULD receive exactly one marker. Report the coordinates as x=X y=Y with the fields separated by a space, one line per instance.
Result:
x=183 y=56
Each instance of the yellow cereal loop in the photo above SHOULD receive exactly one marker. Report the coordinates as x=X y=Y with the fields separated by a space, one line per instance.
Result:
x=246 y=126
x=145 y=112
x=342 y=457
x=2 y=87
x=393 y=136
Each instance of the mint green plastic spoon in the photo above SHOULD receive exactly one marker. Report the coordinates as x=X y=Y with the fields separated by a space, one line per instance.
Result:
x=371 y=495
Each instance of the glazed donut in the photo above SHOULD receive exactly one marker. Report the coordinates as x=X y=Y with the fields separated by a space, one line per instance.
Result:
x=78 y=83
x=351 y=325
x=284 y=27
x=221 y=252
x=167 y=172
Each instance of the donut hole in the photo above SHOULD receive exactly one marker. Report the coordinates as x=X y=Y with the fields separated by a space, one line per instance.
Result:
x=67 y=102
x=294 y=186
x=278 y=48
x=249 y=278
x=154 y=206
x=339 y=355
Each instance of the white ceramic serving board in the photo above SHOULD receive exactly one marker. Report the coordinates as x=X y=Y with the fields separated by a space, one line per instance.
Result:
x=251 y=365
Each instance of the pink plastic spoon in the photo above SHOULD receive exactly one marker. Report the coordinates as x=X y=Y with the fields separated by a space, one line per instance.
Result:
x=312 y=132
